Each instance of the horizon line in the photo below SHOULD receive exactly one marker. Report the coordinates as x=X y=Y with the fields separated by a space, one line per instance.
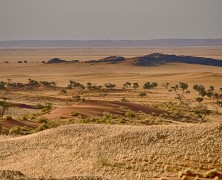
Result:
x=112 y=39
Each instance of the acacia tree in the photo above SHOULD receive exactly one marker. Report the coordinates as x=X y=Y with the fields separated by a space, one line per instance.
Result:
x=149 y=85
x=110 y=85
x=200 y=89
x=127 y=85
x=33 y=83
x=199 y=99
x=74 y=84
x=46 y=83
x=166 y=85
x=2 y=85
x=210 y=92
x=218 y=98
x=202 y=114
x=135 y=85
x=4 y=106
x=91 y=86
x=180 y=90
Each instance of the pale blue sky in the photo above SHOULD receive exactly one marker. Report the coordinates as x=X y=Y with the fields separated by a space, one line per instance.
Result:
x=109 y=19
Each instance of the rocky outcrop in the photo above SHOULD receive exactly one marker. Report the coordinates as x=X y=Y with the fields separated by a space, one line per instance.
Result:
x=110 y=59
x=57 y=60
x=158 y=59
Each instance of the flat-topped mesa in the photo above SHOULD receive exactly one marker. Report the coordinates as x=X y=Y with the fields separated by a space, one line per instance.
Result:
x=159 y=58
x=58 y=60
x=110 y=59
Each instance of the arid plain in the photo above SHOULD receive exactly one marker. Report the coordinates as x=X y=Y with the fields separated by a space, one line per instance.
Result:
x=121 y=130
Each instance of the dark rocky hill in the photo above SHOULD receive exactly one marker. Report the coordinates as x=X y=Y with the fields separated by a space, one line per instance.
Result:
x=57 y=60
x=154 y=59
x=158 y=59
x=110 y=59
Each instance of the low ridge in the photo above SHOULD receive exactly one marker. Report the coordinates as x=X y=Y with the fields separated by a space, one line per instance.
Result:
x=156 y=59
x=159 y=58
x=110 y=59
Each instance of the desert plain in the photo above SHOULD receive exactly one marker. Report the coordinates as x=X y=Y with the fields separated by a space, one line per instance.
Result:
x=100 y=121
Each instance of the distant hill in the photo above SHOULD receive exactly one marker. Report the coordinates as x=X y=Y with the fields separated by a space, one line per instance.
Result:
x=109 y=43
x=57 y=60
x=159 y=59
x=110 y=59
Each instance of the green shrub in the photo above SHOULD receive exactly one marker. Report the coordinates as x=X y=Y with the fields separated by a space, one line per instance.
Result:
x=43 y=120
x=24 y=117
x=42 y=127
x=46 y=106
x=202 y=114
x=107 y=115
x=52 y=124
x=17 y=130
x=130 y=113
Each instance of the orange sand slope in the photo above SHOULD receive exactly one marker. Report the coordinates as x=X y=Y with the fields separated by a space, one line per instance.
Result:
x=97 y=108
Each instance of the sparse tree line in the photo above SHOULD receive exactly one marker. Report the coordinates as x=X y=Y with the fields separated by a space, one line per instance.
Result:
x=181 y=90
x=19 y=62
x=31 y=83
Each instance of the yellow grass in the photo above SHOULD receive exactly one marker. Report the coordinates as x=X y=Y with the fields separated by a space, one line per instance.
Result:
x=116 y=152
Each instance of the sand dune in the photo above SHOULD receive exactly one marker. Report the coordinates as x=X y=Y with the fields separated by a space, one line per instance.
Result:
x=97 y=108
x=115 y=152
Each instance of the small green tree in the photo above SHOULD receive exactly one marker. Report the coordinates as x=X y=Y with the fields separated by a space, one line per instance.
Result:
x=135 y=85
x=4 y=106
x=180 y=90
x=88 y=85
x=110 y=85
x=200 y=89
x=202 y=114
x=166 y=85
x=46 y=83
x=199 y=99
x=127 y=85
x=142 y=94
x=210 y=92
x=74 y=84
x=149 y=85
x=218 y=98
x=33 y=83
x=2 y=85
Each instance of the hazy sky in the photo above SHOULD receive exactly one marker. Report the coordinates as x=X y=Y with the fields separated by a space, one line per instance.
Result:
x=109 y=19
